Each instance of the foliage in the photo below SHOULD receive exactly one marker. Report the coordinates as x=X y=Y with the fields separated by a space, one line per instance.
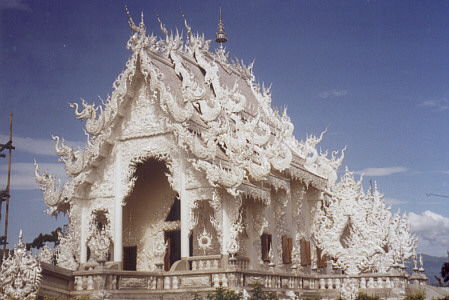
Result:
x=27 y=298
x=85 y=297
x=363 y=296
x=224 y=294
x=197 y=296
x=419 y=295
x=40 y=241
x=257 y=293
x=445 y=271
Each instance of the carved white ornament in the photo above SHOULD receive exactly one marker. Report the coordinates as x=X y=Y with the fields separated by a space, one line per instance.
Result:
x=100 y=235
x=204 y=240
x=67 y=251
x=46 y=254
x=178 y=97
x=159 y=248
x=20 y=274
x=349 y=288
x=239 y=135
x=359 y=232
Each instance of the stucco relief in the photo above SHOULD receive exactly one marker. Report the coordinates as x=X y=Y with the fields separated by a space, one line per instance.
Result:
x=281 y=228
x=20 y=274
x=359 y=232
x=215 y=139
x=145 y=223
x=135 y=151
x=217 y=218
x=205 y=237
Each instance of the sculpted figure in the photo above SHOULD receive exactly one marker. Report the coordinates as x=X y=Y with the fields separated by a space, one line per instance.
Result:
x=20 y=273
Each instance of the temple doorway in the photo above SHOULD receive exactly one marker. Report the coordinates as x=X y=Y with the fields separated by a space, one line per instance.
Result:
x=173 y=252
x=130 y=258
x=145 y=212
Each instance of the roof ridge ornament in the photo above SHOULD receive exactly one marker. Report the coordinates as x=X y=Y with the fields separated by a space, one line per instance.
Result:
x=221 y=34
x=163 y=28
x=188 y=28
x=221 y=38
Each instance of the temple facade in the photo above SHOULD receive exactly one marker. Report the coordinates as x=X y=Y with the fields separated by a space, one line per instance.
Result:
x=191 y=180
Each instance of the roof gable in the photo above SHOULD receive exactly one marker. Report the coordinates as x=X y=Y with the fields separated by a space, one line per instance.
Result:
x=214 y=108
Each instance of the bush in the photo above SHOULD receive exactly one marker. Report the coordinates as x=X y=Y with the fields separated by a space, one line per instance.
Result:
x=363 y=296
x=222 y=293
x=257 y=293
x=420 y=295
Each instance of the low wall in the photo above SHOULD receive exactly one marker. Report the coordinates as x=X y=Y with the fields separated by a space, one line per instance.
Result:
x=56 y=281
x=100 y=283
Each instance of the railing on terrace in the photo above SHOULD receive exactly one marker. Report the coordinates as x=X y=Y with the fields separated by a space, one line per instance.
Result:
x=209 y=272
x=116 y=280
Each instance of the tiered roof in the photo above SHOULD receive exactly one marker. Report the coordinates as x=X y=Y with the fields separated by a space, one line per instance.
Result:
x=218 y=112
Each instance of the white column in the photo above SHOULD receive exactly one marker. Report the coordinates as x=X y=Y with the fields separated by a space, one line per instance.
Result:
x=83 y=239
x=118 y=209
x=184 y=207
x=225 y=237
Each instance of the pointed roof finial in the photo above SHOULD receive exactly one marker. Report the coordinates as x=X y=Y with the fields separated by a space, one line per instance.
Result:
x=163 y=29
x=221 y=34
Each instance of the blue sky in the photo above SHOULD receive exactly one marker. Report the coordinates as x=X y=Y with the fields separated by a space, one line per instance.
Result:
x=375 y=72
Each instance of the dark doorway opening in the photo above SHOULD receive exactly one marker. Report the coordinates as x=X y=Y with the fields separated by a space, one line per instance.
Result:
x=130 y=258
x=173 y=253
x=175 y=211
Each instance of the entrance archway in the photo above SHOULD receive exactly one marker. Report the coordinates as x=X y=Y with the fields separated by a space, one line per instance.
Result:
x=145 y=215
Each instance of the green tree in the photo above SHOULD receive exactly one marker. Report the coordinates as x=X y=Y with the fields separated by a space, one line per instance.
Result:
x=258 y=294
x=41 y=239
x=224 y=294
x=445 y=271
x=419 y=295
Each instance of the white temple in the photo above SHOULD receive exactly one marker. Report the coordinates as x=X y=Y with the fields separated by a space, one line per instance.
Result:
x=191 y=180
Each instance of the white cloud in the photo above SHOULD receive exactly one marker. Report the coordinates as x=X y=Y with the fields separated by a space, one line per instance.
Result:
x=381 y=171
x=36 y=146
x=391 y=201
x=22 y=174
x=333 y=94
x=433 y=231
x=15 y=4
x=436 y=104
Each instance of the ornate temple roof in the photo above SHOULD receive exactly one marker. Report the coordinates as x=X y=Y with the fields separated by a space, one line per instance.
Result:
x=214 y=107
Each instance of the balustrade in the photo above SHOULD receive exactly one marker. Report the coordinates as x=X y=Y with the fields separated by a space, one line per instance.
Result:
x=89 y=280
x=212 y=262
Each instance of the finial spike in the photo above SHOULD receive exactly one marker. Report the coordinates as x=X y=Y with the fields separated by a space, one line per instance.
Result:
x=221 y=34
x=130 y=21
x=188 y=28
x=163 y=29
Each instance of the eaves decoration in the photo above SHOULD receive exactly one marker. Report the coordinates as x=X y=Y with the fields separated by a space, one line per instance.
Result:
x=214 y=108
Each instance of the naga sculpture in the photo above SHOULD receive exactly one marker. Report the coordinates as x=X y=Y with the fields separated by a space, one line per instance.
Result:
x=94 y=126
x=73 y=160
x=254 y=137
x=52 y=192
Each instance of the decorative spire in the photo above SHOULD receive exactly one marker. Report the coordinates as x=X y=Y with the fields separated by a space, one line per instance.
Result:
x=221 y=34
